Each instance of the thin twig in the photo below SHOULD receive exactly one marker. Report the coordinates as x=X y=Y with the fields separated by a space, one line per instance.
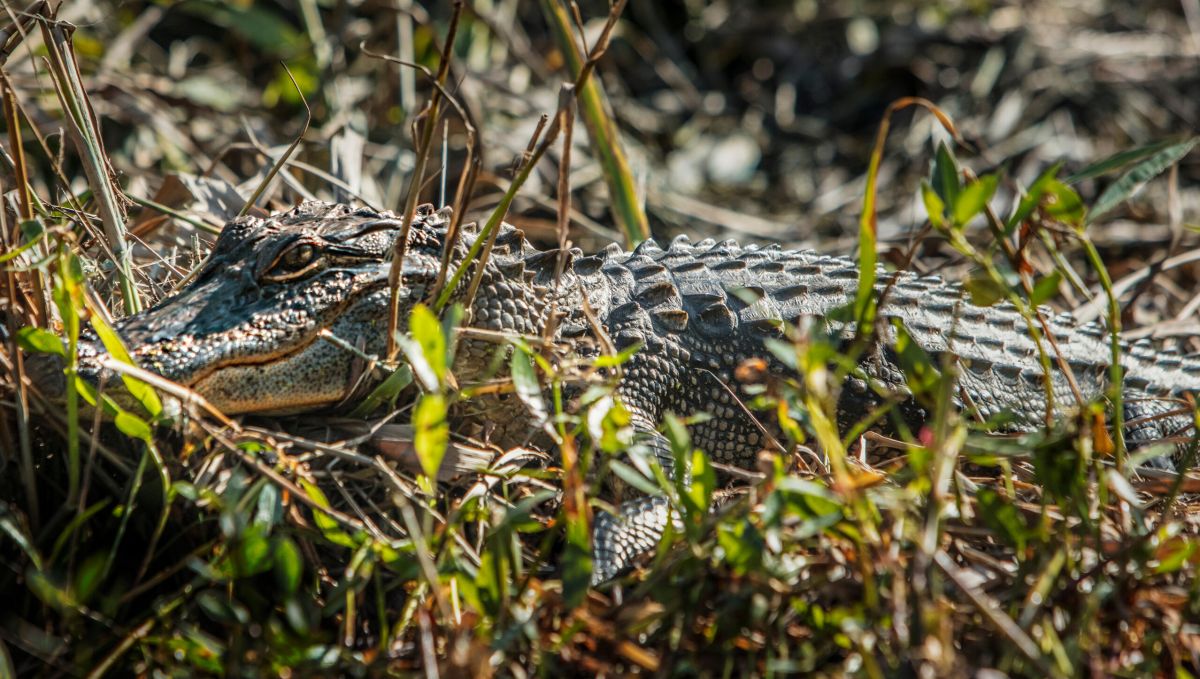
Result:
x=431 y=115
x=282 y=161
x=85 y=133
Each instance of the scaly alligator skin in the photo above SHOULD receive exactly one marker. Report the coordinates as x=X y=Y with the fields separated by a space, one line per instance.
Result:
x=244 y=334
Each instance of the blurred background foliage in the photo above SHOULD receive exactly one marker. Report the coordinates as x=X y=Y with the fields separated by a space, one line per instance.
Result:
x=748 y=117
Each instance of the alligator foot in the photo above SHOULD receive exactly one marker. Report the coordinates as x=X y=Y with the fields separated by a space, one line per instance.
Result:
x=635 y=530
x=1150 y=420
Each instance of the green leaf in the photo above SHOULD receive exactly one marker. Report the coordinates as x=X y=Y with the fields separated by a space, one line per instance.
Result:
x=805 y=498
x=216 y=604
x=7 y=669
x=973 y=199
x=40 y=340
x=266 y=30
x=1066 y=206
x=576 y=561
x=634 y=478
x=1032 y=198
x=1181 y=551
x=1132 y=181
x=269 y=507
x=984 y=290
x=15 y=529
x=253 y=552
x=1118 y=161
x=529 y=390
x=329 y=527
x=677 y=434
x=48 y=590
x=385 y=392
x=946 y=178
x=429 y=360
x=697 y=496
x=743 y=546
x=492 y=580
x=431 y=432
x=934 y=207
x=140 y=391
x=1046 y=288
x=615 y=431
x=34 y=232
x=607 y=361
x=133 y=426
x=784 y=351
x=451 y=318
x=1003 y=518
x=920 y=373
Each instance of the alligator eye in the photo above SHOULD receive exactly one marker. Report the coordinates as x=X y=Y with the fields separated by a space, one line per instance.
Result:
x=295 y=262
x=298 y=257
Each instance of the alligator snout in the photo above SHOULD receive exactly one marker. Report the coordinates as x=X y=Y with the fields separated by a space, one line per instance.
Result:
x=280 y=318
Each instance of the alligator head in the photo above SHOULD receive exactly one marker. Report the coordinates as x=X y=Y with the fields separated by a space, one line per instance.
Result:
x=246 y=332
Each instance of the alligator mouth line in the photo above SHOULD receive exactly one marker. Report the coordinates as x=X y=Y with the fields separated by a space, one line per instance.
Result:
x=320 y=332
x=269 y=360
x=352 y=383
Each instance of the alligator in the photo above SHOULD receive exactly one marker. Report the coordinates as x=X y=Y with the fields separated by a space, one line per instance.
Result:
x=247 y=334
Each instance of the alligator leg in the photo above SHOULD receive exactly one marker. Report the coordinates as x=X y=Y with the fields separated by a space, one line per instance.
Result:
x=639 y=522
x=617 y=540
x=1150 y=420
